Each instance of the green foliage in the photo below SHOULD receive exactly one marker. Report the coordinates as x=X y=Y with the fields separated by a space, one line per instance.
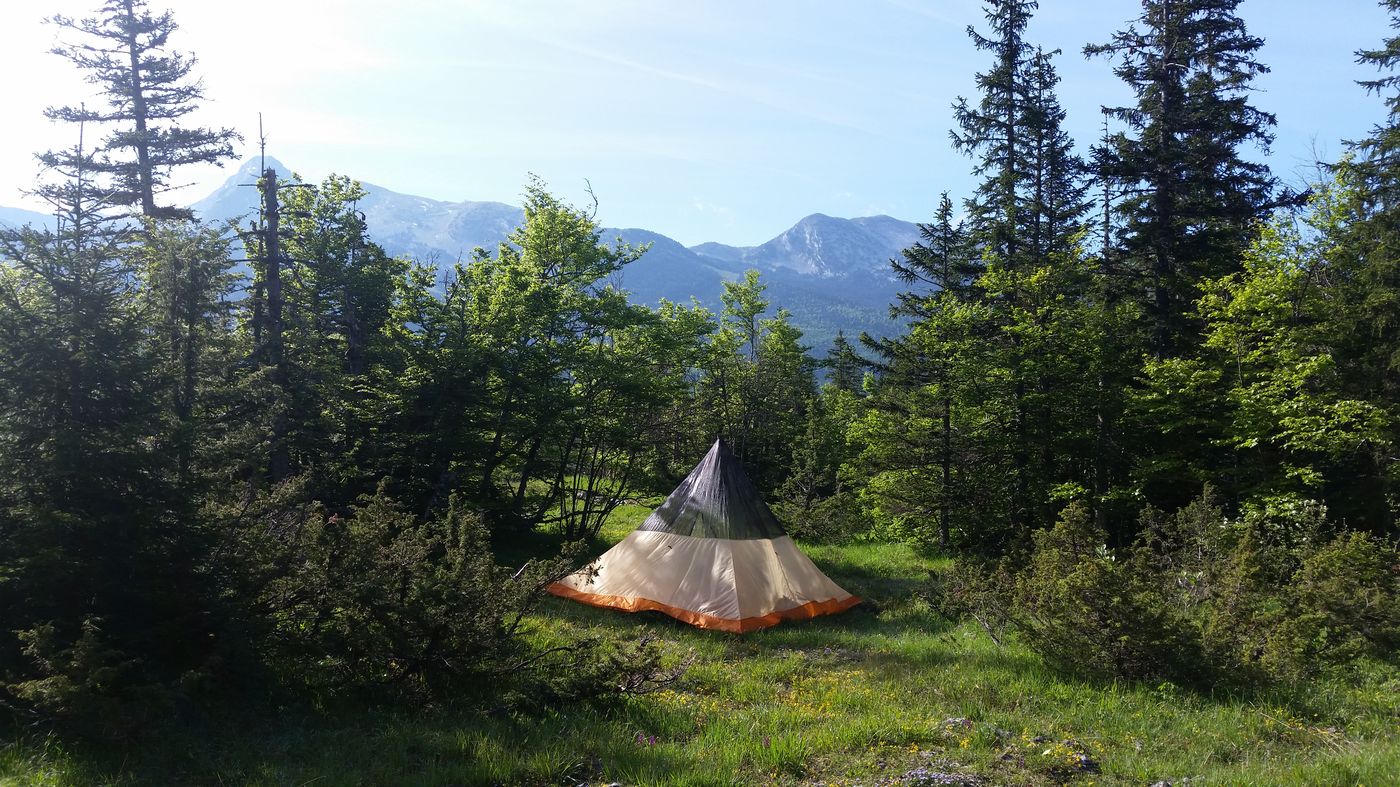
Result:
x=1191 y=200
x=1202 y=598
x=756 y=383
x=875 y=694
x=1270 y=326
x=1377 y=162
x=201 y=490
x=1340 y=606
x=337 y=295
x=100 y=587
x=92 y=686
x=967 y=590
x=1084 y=611
x=379 y=602
x=1277 y=402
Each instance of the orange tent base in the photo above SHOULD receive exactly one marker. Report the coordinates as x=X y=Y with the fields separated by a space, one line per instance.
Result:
x=807 y=611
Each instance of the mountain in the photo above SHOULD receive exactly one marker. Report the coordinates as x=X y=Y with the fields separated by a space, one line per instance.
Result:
x=825 y=247
x=833 y=274
x=402 y=223
x=18 y=217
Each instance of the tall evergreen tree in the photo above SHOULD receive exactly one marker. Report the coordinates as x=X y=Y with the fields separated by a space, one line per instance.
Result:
x=1378 y=155
x=148 y=90
x=992 y=364
x=1192 y=201
x=844 y=365
x=941 y=263
x=1056 y=190
x=101 y=589
x=1373 y=235
x=994 y=129
x=186 y=281
x=915 y=452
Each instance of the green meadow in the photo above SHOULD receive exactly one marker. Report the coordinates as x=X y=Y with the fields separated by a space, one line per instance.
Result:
x=888 y=693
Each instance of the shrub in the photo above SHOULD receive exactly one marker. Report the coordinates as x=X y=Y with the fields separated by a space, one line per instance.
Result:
x=837 y=519
x=376 y=601
x=967 y=590
x=1083 y=611
x=1199 y=599
x=88 y=686
x=1342 y=605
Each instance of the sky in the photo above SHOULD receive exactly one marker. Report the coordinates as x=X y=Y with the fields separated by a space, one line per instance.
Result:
x=723 y=120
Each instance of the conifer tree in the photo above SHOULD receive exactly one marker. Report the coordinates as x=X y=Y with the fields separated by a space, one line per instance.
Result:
x=941 y=260
x=844 y=364
x=186 y=281
x=100 y=590
x=1193 y=202
x=1377 y=162
x=1373 y=234
x=910 y=431
x=148 y=90
x=994 y=129
x=1056 y=189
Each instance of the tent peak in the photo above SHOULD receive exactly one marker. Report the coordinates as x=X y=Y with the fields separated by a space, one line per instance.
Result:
x=717 y=500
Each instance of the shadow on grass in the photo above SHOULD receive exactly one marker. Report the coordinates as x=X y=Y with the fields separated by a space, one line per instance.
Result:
x=878 y=591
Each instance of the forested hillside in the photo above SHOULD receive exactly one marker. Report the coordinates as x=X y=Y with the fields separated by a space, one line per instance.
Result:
x=1143 y=404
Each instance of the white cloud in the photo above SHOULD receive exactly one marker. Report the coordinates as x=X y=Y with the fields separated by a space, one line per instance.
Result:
x=710 y=207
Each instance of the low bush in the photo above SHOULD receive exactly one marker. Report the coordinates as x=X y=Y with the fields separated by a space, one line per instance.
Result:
x=378 y=602
x=1340 y=607
x=1084 y=611
x=1199 y=598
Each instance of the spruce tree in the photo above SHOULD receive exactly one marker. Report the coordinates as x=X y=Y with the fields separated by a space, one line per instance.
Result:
x=1056 y=189
x=1192 y=202
x=1377 y=157
x=148 y=90
x=994 y=130
x=844 y=364
x=910 y=432
x=186 y=285
x=101 y=589
x=941 y=260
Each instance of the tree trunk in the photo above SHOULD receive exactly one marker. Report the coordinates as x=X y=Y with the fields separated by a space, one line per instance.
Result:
x=138 y=111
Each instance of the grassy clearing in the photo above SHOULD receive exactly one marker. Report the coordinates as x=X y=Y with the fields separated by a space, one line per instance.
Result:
x=889 y=693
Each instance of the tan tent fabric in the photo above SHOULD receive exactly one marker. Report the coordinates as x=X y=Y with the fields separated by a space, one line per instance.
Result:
x=729 y=584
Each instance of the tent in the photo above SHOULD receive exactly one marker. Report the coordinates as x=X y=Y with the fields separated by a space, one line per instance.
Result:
x=714 y=556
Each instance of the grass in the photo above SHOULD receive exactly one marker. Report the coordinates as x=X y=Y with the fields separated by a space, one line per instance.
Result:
x=888 y=693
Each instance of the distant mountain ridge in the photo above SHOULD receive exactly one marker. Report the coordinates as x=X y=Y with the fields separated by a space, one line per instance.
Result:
x=18 y=217
x=826 y=247
x=402 y=223
x=833 y=274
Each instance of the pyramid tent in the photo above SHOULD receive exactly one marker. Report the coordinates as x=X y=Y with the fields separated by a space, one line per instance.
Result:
x=712 y=555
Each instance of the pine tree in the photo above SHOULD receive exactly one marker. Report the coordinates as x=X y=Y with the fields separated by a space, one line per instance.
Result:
x=910 y=432
x=186 y=282
x=993 y=354
x=941 y=260
x=1193 y=202
x=320 y=310
x=148 y=90
x=1373 y=231
x=844 y=364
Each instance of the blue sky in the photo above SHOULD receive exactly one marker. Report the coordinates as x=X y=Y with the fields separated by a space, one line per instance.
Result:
x=717 y=120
